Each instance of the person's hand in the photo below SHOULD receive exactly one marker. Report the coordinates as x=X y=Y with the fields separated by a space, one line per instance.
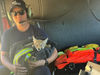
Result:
x=18 y=70
x=33 y=64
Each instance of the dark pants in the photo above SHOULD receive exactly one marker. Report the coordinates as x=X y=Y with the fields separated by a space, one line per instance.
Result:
x=41 y=70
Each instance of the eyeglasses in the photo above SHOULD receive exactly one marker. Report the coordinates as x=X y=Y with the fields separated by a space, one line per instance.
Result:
x=21 y=12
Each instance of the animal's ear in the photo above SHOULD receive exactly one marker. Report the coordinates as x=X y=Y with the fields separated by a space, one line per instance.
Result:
x=46 y=40
x=34 y=38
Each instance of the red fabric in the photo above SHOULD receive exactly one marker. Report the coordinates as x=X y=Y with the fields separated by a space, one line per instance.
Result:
x=5 y=23
x=70 y=53
x=61 y=61
x=76 y=57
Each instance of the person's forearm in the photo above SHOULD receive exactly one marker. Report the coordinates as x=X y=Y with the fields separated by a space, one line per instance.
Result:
x=53 y=56
x=6 y=62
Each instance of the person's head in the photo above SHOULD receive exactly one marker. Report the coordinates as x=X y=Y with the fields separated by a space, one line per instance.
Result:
x=18 y=11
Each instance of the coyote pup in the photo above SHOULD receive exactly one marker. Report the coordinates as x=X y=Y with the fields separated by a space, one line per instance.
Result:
x=40 y=44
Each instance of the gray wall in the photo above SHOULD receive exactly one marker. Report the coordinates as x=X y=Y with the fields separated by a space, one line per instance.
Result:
x=78 y=27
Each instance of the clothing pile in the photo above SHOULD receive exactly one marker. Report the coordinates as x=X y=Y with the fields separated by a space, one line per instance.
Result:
x=75 y=54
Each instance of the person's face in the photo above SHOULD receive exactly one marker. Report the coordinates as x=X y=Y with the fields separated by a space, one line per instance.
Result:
x=18 y=14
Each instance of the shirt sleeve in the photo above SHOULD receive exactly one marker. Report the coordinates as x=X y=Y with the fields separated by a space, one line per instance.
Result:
x=5 y=44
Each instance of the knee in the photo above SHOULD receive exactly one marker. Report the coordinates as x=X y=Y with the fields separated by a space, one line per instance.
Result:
x=41 y=70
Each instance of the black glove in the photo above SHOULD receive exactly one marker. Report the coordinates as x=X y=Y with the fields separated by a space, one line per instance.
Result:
x=49 y=51
x=45 y=53
x=40 y=55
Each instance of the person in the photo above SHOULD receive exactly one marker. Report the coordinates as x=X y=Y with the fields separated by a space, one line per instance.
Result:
x=21 y=31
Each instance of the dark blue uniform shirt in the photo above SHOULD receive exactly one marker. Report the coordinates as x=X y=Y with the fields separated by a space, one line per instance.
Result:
x=13 y=35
